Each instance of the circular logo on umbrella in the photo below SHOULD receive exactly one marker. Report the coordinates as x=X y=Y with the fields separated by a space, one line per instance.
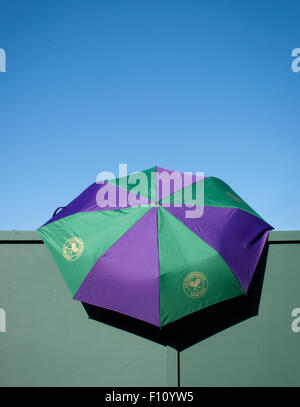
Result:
x=72 y=248
x=195 y=284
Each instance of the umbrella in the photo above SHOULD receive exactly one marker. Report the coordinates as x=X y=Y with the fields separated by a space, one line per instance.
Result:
x=157 y=246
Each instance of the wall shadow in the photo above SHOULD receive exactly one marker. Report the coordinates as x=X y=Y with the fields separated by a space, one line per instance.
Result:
x=196 y=327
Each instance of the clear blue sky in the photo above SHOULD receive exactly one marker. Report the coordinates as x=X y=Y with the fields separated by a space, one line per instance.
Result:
x=186 y=85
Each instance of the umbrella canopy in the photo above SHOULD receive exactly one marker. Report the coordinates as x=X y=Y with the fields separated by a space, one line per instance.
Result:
x=157 y=245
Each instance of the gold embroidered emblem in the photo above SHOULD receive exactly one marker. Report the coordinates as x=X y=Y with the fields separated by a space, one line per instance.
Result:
x=72 y=248
x=195 y=284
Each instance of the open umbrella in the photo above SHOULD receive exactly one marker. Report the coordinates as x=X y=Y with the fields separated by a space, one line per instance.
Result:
x=157 y=245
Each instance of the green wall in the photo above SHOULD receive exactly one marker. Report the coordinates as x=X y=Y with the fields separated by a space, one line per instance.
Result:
x=49 y=341
x=263 y=350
